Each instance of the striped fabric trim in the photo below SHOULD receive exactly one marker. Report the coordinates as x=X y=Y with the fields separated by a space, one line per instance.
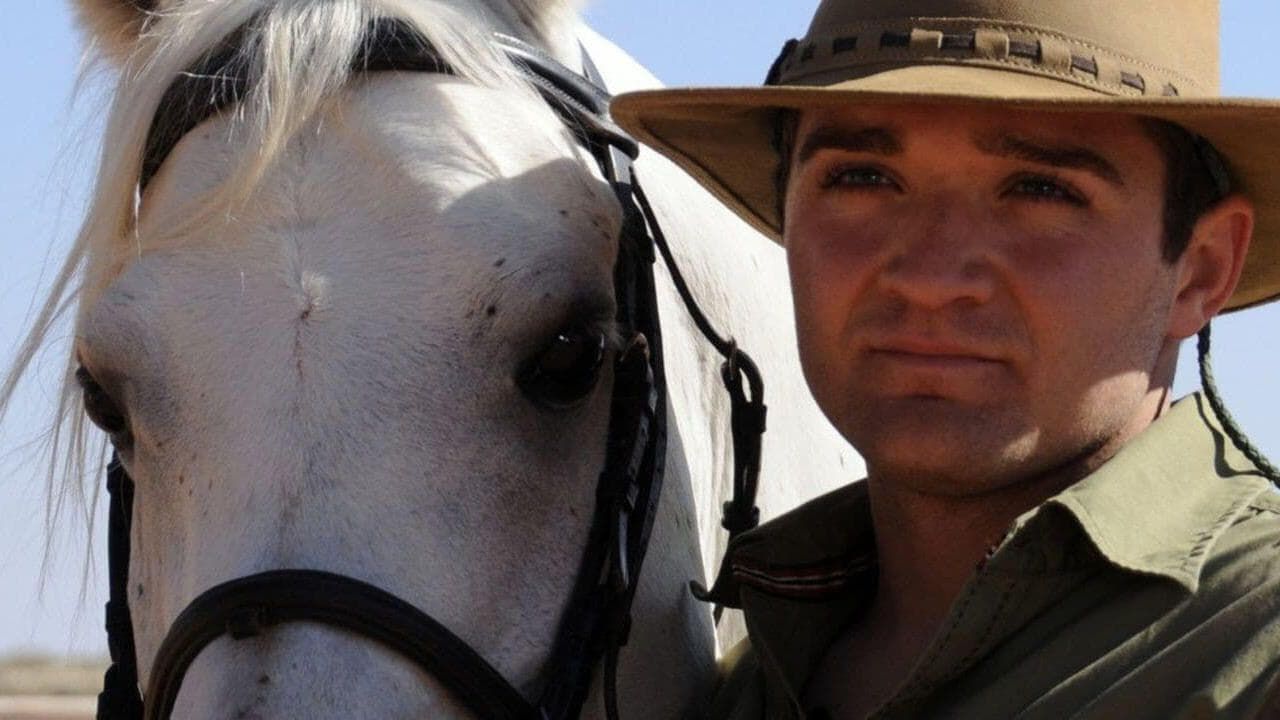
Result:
x=812 y=581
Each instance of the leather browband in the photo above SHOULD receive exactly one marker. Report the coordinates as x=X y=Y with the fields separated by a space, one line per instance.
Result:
x=220 y=80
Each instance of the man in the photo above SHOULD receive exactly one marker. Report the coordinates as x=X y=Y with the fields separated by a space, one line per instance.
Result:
x=1001 y=220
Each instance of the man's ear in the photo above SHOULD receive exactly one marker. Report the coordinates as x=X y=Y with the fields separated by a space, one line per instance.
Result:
x=1210 y=267
x=114 y=25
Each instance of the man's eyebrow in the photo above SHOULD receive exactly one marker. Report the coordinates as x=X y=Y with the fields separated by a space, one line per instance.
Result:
x=876 y=140
x=1060 y=156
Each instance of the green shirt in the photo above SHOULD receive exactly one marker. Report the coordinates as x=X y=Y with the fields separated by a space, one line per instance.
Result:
x=1149 y=589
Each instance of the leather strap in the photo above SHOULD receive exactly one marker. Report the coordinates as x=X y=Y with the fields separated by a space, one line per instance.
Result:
x=249 y=606
x=119 y=697
x=222 y=79
x=747 y=412
x=597 y=621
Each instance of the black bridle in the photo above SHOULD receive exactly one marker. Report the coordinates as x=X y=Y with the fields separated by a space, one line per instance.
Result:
x=596 y=622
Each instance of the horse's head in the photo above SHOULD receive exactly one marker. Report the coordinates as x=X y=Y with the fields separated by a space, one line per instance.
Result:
x=361 y=324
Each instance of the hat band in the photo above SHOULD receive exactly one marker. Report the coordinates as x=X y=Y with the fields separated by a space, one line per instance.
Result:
x=871 y=48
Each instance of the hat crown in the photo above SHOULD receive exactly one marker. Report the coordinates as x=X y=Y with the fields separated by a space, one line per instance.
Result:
x=1172 y=38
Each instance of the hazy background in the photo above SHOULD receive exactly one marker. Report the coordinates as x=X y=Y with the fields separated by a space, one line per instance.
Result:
x=48 y=144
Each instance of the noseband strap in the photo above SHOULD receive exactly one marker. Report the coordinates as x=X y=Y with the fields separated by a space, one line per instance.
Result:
x=596 y=621
x=249 y=606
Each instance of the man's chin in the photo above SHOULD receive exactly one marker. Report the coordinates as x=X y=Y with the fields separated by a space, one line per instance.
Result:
x=939 y=482
x=943 y=450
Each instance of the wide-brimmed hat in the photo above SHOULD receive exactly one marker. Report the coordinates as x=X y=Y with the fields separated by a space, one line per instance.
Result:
x=1156 y=58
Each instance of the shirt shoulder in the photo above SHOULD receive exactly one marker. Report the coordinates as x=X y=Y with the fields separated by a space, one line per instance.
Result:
x=1231 y=625
x=1119 y=642
x=1266 y=505
x=1245 y=558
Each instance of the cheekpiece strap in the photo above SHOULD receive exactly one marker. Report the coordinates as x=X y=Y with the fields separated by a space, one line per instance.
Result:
x=120 y=698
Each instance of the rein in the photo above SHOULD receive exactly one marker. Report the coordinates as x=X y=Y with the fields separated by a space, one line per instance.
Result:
x=596 y=621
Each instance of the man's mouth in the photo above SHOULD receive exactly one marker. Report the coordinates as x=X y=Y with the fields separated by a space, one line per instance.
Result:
x=939 y=362
x=930 y=350
x=930 y=367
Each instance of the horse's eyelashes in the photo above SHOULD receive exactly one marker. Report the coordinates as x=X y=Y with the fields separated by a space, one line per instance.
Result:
x=565 y=370
x=101 y=408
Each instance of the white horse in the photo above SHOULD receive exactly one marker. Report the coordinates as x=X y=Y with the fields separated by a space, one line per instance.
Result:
x=313 y=324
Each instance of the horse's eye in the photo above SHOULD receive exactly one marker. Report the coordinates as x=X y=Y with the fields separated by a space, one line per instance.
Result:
x=101 y=409
x=563 y=373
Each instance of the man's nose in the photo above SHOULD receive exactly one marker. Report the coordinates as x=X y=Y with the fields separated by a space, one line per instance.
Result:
x=942 y=256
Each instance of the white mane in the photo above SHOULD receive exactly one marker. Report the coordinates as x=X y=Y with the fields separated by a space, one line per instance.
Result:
x=299 y=54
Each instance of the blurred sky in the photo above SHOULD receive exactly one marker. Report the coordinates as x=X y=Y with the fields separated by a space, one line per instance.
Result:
x=48 y=147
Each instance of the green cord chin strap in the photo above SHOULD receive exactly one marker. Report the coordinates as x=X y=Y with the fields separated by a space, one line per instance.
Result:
x=1217 y=169
x=1228 y=423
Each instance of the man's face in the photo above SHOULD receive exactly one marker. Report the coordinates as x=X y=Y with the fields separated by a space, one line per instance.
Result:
x=980 y=294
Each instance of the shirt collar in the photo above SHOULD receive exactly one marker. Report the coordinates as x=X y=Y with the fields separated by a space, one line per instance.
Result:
x=1155 y=508
x=808 y=554
x=1175 y=469
x=799 y=579
x=1158 y=506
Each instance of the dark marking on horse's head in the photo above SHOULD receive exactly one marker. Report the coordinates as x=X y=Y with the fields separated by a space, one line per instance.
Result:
x=491 y=310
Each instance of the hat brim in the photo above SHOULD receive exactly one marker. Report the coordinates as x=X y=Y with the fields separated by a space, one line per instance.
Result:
x=724 y=137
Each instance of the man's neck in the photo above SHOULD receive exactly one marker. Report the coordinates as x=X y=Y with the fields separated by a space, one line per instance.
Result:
x=930 y=545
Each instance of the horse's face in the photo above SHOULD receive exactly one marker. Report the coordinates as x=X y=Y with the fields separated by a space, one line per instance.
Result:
x=392 y=362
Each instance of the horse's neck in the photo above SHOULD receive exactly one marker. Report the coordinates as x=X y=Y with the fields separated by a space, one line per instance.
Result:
x=739 y=278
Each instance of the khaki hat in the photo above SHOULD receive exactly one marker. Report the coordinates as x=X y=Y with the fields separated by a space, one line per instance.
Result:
x=1157 y=58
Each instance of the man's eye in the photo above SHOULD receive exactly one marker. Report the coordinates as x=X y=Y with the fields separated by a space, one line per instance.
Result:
x=1046 y=189
x=860 y=176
